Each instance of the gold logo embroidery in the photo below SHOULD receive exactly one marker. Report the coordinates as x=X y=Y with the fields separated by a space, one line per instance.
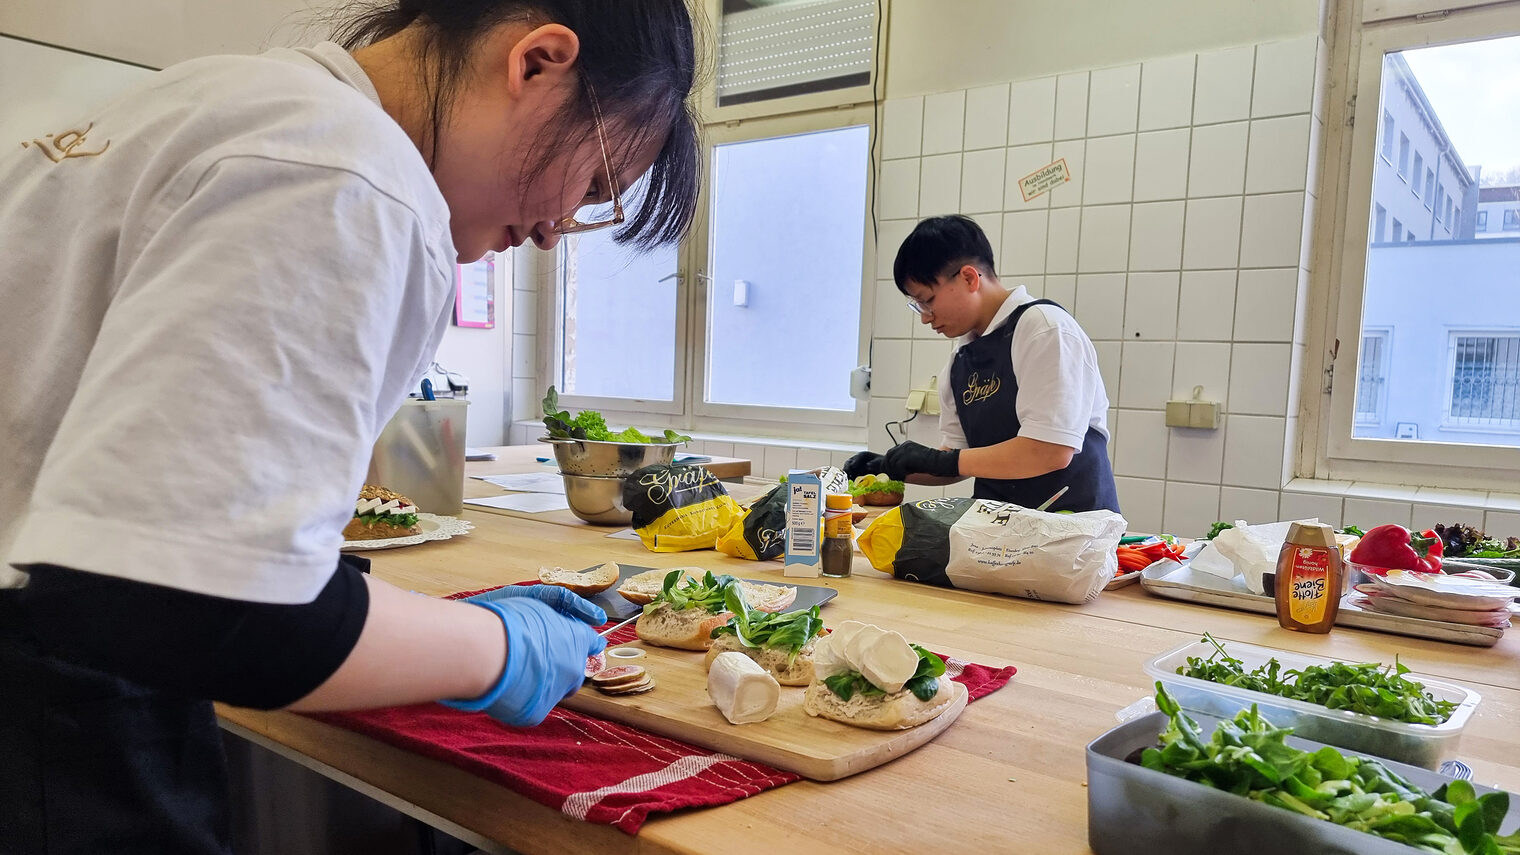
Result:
x=978 y=391
x=66 y=145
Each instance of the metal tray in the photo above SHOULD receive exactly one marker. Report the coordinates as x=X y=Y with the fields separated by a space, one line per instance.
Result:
x=1132 y=810
x=1179 y=581
x=618 y=608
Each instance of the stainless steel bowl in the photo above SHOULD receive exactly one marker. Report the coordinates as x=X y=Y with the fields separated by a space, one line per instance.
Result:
x=597 y=499
x=608 y=459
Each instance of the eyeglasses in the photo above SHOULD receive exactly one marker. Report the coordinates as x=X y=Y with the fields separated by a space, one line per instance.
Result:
x=923 y=310
x=570 y=225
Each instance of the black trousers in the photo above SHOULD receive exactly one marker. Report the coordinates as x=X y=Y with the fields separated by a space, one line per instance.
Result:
x=91 y=763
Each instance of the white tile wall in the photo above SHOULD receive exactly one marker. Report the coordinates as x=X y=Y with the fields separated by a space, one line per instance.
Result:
x=1206 y=310
x=1113 y=100
x=1190 y=508
x=1177 y=245
x=944 y=121
x=1166 y=92
x=1071 y=106
x=1150 y=304
x=1099 y=306
x=1370 y=512
x=1155 y=236
x=1222 y=92
x=1218 y=164
x=1110 y=170
x=777 y=461
x=1284 y=77
x=1161 y=164
x=1104 y=241
x=1032 y=111
x=902 y=128
x=987 y=117
x=1502 y=523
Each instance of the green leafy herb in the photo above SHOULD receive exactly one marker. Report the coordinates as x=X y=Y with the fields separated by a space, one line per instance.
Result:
x=1353 y=531
x=403 y=520
x=1216 y=528
x=707 y=593
x=924 y=684
x=591 y=425
x=1369 y=689
x=1248 y=756
x=872 y=484
x=790 y=632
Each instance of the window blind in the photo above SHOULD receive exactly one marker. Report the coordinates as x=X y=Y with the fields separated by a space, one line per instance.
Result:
x=769 y=49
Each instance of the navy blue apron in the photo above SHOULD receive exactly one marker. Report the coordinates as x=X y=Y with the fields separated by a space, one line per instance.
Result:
x=985 y=388
x=91 y=763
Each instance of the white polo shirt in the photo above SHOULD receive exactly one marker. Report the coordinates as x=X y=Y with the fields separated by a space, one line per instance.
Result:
x=218 y=288
x=1061 y=391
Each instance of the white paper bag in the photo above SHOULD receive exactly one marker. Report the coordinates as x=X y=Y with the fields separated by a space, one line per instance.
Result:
x=1004 y=548
x=1252 y=549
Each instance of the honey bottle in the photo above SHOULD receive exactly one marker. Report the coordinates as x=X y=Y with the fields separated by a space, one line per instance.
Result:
x=1309 y=578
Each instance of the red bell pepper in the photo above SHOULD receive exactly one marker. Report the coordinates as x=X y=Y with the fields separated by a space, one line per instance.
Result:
x=1393 y=547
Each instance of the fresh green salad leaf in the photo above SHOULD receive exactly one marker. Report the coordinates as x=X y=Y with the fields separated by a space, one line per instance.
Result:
x=790 y=632
x=1249 y=757
x=706 y=593
x=1369 y=689
x=874 y=484
x=591 y=425
x=1216 y=528
x=846 y=683
x=1353 y=531
x=403 y=520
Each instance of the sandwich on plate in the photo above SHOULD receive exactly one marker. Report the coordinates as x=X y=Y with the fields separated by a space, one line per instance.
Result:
x=380 y=514
x=587 y=583
x=686 y=611
x=870 y=677
x=642 y=588
x=781 y=644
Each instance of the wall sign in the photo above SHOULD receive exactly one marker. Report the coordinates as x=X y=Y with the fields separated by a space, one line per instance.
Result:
x=1044 y=179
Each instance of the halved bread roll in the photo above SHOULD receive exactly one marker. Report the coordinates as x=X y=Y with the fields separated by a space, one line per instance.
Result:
x=767 y=598
x=687 y=629
x=798 y=673
x=642 y=588
x=897 y=711
x=584 y=582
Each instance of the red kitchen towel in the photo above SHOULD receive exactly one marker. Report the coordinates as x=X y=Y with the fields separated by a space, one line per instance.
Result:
x=589 y=768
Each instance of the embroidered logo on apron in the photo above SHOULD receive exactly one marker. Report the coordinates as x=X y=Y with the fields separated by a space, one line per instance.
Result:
x=69 y=144
x=979 y=391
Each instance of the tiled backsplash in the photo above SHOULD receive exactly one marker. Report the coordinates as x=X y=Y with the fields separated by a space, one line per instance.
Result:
x=1180 y=244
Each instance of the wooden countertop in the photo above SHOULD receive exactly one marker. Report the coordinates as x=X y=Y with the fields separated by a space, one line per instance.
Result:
x=1008 y=776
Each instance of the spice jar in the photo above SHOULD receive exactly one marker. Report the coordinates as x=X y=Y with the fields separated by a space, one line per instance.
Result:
x=838 y=535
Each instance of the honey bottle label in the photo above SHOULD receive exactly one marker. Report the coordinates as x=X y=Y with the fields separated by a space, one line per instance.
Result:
x=1308 y=584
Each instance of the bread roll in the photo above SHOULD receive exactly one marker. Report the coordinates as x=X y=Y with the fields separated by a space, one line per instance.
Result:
x=798 y=673
x=586 y=582
x=897 y=711
x=687 y=629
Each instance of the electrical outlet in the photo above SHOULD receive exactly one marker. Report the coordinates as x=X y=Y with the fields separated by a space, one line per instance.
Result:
x=1195 y=413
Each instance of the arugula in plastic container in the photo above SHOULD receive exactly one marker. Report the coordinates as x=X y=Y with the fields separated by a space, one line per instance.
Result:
x=924 y=684
x=790 y=631
x=591 y=425
x=708 y=593
x=1369 y=688
x=1249 y=757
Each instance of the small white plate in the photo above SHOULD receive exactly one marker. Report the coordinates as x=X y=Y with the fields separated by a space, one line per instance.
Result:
x=1439 y=589
x=433 y=527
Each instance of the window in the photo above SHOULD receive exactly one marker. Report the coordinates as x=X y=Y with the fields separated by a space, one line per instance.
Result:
x=1378 y=221
x=1484 y=381
x=754 y=322
x=1410 y=238
x=1425 y=396
x=1430 y=183
x=1372 y=376
x=769 y=50
x=1419 y=167
x=1403 y=156
x=1398 y=230
x=1388 y=137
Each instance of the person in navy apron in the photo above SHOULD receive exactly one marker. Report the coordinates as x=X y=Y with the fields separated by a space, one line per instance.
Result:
x=1023 y=408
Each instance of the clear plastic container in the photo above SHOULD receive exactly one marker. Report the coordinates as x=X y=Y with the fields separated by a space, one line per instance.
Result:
x=1417 y=744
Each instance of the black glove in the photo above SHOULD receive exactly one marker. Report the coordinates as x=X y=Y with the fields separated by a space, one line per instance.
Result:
x=864 y=463
x=912 y=458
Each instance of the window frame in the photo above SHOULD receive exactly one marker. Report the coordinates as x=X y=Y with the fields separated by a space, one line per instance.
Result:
x=1380 y=412
x=838 y=424
x=1329 y=449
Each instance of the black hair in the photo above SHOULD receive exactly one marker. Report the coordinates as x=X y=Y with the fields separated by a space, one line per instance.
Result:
x=940 y=246
x=639 y=56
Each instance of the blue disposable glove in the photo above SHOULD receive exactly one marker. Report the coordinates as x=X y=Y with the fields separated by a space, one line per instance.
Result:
x=546 y=660
x=562 y=600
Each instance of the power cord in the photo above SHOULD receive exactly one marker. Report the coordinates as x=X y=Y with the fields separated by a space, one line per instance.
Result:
x=902 y=425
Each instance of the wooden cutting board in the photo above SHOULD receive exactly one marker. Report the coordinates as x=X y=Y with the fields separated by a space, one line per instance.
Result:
x=679 y=707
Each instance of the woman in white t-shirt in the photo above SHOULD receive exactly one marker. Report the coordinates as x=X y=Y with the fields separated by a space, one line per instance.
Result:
x=223 y=284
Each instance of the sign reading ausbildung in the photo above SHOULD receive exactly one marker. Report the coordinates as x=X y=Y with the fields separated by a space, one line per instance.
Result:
x=1044 y=179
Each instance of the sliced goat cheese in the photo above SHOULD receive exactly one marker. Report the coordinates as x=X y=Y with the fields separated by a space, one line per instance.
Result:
x=743 y=691
x=888 y=661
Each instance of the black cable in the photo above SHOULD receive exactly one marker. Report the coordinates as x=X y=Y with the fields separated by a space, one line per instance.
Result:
x=902 y=423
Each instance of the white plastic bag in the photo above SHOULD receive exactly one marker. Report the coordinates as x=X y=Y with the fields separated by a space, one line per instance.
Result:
x=1252 y=550
x=1004 y=548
